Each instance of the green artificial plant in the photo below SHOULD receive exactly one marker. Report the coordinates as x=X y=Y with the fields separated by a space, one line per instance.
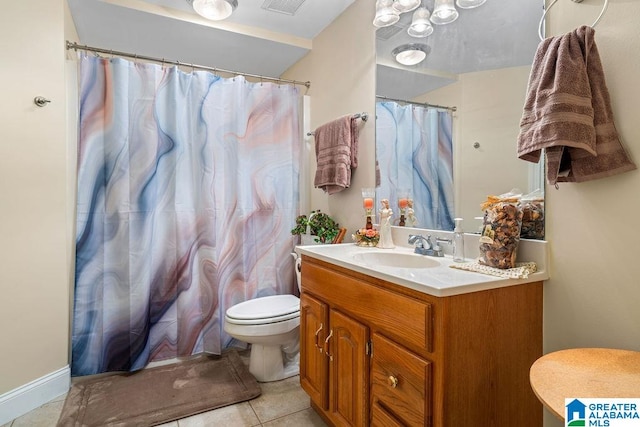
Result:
x=322 y=226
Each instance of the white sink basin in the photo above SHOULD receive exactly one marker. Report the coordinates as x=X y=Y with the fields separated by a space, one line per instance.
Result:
x=395 y=259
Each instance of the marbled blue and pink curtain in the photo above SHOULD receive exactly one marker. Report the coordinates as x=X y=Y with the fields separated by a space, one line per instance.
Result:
x=414 y=148
x=187 y=192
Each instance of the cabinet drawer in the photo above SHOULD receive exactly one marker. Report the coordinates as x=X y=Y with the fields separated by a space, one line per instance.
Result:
x=400 y=382
x=399 y=316
x=381 y=418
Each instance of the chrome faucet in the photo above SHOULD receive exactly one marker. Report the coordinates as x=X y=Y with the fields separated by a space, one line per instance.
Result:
x=437 y=247
x=420 y=239
x=424 y=246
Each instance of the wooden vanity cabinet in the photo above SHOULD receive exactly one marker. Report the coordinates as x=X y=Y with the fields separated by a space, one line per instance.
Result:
x=376 y=353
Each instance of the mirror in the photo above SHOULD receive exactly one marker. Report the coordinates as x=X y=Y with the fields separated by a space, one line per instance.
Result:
x=480 y=65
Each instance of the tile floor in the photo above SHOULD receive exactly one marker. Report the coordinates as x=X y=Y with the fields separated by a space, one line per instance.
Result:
x=282 y=403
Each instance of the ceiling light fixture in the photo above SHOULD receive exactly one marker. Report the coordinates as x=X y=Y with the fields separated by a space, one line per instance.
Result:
x=444 y=12
x=402 y=6
x=420 y=25
x=469 y=4
x=385 y=14
x=411 y=53
x=215 y=10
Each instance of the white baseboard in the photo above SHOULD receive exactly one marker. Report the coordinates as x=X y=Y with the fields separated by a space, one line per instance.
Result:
x=28 y=397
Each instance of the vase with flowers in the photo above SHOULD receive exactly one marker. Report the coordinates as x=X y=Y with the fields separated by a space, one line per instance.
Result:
x=366 y=237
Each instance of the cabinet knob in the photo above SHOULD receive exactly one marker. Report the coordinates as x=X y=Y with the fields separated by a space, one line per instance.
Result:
x=393 y=381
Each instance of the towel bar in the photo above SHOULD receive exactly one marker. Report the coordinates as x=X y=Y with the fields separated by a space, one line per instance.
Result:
x=363 y=116
x=604 y=8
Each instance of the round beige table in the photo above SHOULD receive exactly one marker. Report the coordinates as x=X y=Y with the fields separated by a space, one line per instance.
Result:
x=585 y=372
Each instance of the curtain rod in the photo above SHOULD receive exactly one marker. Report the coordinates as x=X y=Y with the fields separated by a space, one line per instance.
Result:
x=76 y=46
x=424 y=104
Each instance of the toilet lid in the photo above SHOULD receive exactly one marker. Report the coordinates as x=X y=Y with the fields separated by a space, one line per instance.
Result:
x=275 y=306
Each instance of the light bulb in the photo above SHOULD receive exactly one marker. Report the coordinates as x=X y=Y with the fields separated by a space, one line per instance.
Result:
x=411 y=54
x=403 y=6
x=385 y=14
x=444 y=12
x=469 y=4
x=215 y=10
x=420 y=25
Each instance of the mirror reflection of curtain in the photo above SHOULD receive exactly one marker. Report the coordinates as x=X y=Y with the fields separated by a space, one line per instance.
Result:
x=187 y=190
x=414 y=150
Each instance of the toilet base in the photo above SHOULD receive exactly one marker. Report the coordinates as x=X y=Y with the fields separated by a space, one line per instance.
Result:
x=268 y=363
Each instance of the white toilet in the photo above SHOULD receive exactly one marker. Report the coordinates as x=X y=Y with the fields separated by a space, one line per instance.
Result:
x=272 y=326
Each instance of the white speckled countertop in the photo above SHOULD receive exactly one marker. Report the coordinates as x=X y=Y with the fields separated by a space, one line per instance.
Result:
x=440 y=280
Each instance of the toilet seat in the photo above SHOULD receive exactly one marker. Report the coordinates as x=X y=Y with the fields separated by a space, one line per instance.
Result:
x=264 y=310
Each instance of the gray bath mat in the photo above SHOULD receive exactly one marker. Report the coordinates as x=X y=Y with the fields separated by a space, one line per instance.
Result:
x=159 y=395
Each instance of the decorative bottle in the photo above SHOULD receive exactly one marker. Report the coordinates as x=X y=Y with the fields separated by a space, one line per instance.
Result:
x=458 y=241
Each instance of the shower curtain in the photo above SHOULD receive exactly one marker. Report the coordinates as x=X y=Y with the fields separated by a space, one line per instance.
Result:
x=187 y=191
x=414 y=148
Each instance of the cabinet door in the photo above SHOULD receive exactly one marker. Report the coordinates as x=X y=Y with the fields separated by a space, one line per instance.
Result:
x=314 y=364
x=349 y=371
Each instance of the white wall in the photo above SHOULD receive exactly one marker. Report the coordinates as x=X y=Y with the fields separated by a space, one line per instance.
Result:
x=341 y=68
x=34 y=272
x=592 y=299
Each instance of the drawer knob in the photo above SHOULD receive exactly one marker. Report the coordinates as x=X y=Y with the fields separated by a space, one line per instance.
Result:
x=393 y=381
